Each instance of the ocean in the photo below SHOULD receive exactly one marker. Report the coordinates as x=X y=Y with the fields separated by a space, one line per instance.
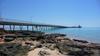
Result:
x=91 y=34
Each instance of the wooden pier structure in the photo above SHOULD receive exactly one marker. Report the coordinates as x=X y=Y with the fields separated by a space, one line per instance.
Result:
x=21 y=25
x=30 y=26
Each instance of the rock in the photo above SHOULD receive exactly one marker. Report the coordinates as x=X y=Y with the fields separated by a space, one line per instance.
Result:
x=82 y=41
x=63 y=48
x=80 y=53
x=12 y=49
x=43 y=53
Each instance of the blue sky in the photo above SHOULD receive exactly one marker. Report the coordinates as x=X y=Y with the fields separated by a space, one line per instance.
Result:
x=60 y=12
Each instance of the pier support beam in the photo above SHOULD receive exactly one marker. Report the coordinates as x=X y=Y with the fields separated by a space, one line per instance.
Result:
x=27 y=28
x=32 y=28
x=3 y=26
x=21 y=27
x=13 y=27
x=10 y=27
x=40 y=28
x=36 y=28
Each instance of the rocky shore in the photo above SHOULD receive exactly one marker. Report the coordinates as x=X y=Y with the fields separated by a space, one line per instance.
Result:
x=48 y=45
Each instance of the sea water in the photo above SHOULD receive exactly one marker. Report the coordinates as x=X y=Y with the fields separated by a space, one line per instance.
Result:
x=91 y=34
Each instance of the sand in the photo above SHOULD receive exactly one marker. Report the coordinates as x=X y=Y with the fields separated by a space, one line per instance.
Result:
x=36 y=51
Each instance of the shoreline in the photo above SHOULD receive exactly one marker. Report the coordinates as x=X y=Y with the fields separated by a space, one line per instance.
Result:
x=78 y=38
x=49 y=44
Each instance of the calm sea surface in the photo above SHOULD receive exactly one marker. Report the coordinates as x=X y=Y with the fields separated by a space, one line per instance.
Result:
x=91 y=34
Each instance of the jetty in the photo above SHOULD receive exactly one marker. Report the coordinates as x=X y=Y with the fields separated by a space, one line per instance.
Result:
x=31 y=26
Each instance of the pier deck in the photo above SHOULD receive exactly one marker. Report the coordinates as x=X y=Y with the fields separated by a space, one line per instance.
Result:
x=38 y=27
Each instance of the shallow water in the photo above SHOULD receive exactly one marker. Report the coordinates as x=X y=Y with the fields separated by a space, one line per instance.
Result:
x=91 y=34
